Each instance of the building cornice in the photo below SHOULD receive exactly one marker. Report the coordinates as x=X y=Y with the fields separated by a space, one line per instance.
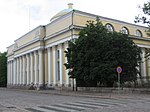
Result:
x=10 y=54
x=29 y=51
x=11 y=45
x=30 y=32
x=106 y=18
x=27 y=44
x=139 y=38
x=61 y=41
x=57 y=33
x=10 y=59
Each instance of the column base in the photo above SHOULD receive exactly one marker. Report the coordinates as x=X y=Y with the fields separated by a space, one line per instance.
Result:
x=40 y=87
x=67 y=85
x=49 y=87
x=60 y=85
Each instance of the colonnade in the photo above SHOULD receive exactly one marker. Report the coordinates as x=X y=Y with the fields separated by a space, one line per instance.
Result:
x=29 y=69
x=36 y=69
x=26 y=69
x=145 y=66
x=56 y=72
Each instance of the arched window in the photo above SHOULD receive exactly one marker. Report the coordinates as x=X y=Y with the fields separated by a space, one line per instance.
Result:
x=124 y=30
x=138 y=33
x=109 y=27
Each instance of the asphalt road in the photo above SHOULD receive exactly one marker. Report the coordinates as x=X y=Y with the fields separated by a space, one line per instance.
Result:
x=27 y=101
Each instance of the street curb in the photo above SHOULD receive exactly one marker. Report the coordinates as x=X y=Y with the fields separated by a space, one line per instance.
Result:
x=76 y=94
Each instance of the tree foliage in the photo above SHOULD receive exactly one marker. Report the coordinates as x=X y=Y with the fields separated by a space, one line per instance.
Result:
x=95 y=55
x=144 y=18
x=3 y=69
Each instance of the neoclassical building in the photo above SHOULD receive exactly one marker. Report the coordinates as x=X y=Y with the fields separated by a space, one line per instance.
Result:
x=37 y=58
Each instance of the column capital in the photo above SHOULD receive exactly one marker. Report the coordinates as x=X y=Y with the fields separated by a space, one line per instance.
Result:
x=35 y=52
x=48 y=48
x=40 y=50
x=31 y=53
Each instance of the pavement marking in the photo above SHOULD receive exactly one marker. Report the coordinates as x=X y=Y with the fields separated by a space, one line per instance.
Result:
x=35 y=109
x=108 y=102
x=83 y=105
x=68 y=107
x=54 y=109
x=93 y=103
x=73 y=106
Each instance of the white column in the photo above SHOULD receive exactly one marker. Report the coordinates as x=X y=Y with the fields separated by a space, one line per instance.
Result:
x=54 y=65
x=17 y=71
x=41 y=67
x=28 y=70
x=46 y=67
x=143 y=64
x=11 y=72
x=60 y=64
x=35 y=67
x=31 y=68
x=67 y=71
x=20 y=70
x=23 y=70
x=14 y=76
x=8 y=73
x=49 y=66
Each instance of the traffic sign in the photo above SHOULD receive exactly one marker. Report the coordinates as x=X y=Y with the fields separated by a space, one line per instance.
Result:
x=119 y=69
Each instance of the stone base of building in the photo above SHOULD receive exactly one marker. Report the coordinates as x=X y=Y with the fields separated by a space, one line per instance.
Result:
x=26 y=87
x=20 y=86
x=41 y=86
x=58 y=86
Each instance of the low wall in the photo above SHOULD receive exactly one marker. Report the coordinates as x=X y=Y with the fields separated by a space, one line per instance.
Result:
x=114 y=90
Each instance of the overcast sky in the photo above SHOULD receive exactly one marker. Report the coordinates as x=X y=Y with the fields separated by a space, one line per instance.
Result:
x=14 y=14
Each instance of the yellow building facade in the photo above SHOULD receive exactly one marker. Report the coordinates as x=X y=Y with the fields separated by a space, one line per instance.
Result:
x=37 y=58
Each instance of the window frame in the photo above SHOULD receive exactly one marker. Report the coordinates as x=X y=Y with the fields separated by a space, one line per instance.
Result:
x=136 y=34
x=111 y=27
x=125 y=29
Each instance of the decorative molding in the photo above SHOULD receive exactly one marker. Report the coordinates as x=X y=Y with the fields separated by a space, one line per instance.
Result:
x=12 y=53
x=139 y=38
x=143 y=46
x=63 y=31
x=27 y=44
x=57 y=33
x=29 y=51
x=8 y=60
x=61 y=41
x=85 y=14
x=40 y=26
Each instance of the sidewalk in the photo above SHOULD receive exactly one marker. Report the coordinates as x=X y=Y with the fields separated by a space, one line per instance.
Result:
x=86 y=94
x=107 y=95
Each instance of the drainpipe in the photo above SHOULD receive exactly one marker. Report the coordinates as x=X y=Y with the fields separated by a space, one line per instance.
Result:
x=71 y=28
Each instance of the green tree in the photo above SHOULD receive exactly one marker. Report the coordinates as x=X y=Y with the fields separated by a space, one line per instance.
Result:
x=95 y=55
x=144 y=17
x=3 y=70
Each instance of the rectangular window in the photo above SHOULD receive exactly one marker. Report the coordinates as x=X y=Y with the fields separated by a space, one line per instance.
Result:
x=57 y=54
x=58 y=71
